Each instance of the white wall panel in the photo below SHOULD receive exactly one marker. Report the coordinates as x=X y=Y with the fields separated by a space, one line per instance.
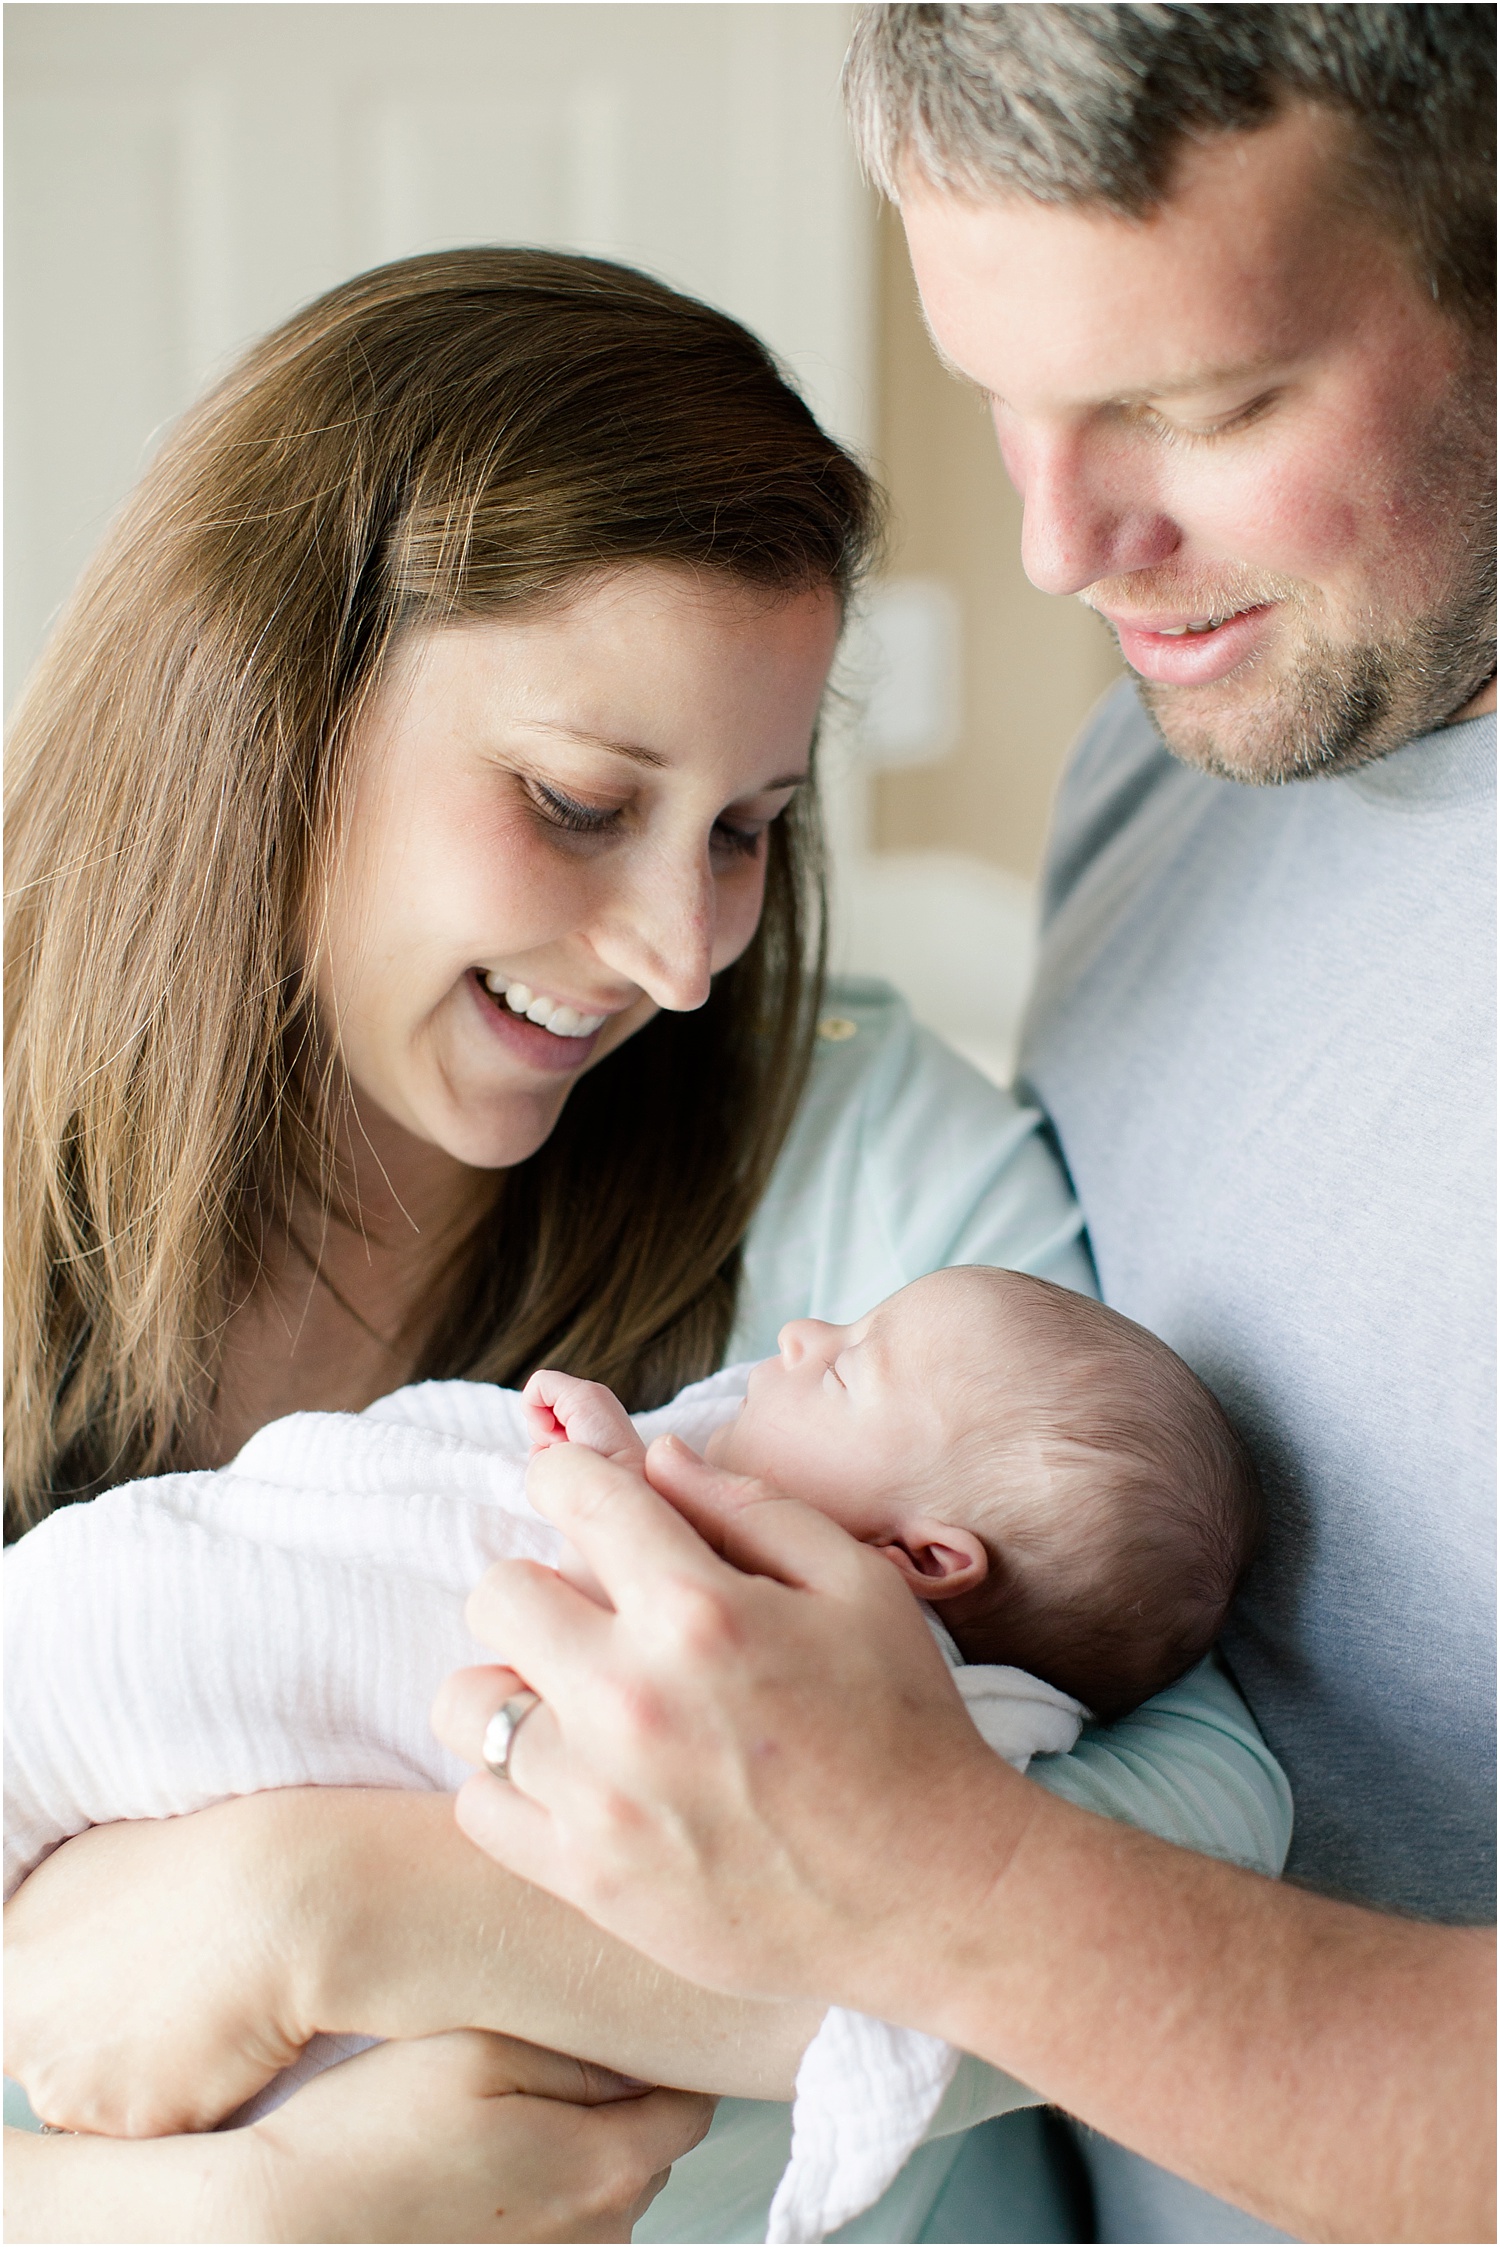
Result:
x=180 y=177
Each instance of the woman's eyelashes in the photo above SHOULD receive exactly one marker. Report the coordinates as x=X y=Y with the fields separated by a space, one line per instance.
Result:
x=574 y=818
x=737 y=842
x=728 y=838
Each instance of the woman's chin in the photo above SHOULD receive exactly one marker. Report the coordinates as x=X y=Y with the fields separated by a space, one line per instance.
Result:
x=448 y=1115
x=498 y=1141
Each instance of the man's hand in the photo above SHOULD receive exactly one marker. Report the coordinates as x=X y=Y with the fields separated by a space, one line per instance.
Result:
x=768 y=1782
x=756 y=1765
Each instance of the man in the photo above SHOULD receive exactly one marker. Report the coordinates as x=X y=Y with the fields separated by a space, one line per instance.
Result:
x=1226 y=275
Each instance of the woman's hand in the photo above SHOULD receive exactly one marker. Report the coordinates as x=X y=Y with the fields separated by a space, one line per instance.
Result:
x=147 y=1988
x=457 y=2137
x=466 y=2136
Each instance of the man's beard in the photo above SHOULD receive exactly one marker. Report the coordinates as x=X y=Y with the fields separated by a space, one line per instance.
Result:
x=1336 y=707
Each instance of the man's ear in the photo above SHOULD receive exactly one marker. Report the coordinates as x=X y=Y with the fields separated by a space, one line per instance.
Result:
x=937 y=1560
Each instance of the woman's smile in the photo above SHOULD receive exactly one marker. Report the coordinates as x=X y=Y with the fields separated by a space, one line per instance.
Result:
x=545 y=1033
x=556 y=1015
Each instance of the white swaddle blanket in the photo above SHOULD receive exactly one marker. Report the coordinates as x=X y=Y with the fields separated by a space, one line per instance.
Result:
x=286 y=1620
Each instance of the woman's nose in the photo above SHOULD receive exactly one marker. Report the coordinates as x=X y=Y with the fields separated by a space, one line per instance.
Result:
x=1089 y=511
x=659 y=931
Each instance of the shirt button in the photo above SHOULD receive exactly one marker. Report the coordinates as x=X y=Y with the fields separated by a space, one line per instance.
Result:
x=836 y=1028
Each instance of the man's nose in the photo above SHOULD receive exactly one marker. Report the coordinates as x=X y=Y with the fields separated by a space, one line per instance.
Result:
x=660 y=931
x=1089 y=512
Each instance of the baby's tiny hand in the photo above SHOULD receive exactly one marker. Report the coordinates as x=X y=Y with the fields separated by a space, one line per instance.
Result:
x=562 y=1409
x=542 y=1423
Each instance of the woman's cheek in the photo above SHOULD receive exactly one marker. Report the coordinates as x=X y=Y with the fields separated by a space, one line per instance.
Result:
x=740 y=898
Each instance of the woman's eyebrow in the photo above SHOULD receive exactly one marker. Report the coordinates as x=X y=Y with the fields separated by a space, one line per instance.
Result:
x=639 y=754
x=636 y=751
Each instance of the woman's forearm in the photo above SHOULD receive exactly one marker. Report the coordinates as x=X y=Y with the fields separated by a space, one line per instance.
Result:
x=186 y=2188
x=158 y=1974
x=402 y=1928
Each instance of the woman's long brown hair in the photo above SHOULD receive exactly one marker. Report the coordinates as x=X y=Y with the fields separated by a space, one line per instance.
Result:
x=452 y=436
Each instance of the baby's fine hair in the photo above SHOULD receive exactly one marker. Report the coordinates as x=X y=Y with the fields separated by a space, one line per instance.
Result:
x=1119 y=1507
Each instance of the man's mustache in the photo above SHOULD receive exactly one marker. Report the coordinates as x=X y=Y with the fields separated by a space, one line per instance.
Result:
x=1223 y=593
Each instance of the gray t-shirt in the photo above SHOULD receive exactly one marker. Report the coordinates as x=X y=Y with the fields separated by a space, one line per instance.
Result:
x=1264 y=1029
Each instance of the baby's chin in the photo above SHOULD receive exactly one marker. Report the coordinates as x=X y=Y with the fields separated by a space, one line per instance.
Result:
x=720 y=1449
x=738 y=1449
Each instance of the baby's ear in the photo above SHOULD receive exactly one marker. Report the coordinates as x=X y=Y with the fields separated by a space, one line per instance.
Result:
x=937 y=1560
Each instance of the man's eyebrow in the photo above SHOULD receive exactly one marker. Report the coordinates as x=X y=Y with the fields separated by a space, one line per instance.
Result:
x=1205 y=378
x=1180 y=386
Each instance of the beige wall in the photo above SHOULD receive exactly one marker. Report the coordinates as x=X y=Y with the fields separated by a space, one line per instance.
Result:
x=1033 y=665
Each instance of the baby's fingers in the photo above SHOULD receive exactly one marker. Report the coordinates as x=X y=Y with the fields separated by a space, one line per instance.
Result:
x=587 y=1413
x=537 y=1400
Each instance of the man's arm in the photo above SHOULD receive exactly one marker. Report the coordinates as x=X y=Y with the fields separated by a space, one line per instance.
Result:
x=1329 y=2068
x=786 y=1796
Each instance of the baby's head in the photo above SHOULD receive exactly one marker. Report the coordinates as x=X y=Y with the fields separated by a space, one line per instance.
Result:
x=1050 y=1473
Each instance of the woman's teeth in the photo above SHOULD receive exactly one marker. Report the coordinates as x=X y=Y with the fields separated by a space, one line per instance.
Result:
x=549 y=1014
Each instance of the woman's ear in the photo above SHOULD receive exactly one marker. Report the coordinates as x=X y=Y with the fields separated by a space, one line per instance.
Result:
x=937 y=1560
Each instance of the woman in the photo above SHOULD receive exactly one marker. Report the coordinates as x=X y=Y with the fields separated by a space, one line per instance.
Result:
x=419 y=773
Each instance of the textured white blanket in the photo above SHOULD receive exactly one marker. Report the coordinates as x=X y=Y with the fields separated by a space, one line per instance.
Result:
x=286 y=1621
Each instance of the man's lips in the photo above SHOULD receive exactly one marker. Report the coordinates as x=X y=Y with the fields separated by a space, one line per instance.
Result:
x=1159 y=649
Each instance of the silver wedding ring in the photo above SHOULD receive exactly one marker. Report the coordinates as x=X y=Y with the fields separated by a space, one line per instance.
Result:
x=500 y=1732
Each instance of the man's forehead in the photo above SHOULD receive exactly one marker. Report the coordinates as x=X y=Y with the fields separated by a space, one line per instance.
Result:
x=1250 y=261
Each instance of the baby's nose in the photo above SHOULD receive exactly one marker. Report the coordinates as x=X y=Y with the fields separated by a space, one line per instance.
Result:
x=800 y=1336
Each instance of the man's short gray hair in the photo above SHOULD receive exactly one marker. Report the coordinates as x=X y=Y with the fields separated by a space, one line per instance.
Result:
x=1092 y=104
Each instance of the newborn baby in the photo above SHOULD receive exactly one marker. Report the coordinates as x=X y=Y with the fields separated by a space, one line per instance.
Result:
x=1046 y=1475
x=1049 y=1474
